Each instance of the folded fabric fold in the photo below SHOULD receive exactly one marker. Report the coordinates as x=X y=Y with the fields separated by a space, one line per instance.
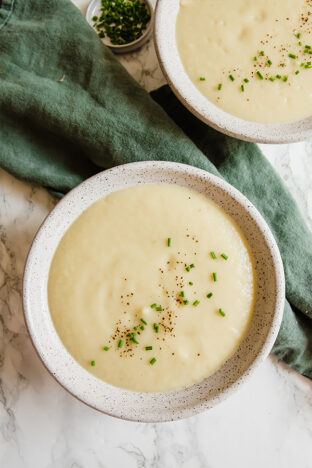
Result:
x=68 y=109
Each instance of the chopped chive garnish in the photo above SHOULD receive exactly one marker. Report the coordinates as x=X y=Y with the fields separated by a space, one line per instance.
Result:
x=120 y=343
x=169 y=241
x=143 y=321
x=282 y=64
x=285 y=78
x=152 y=361
x=191 y=283
x=301 y=64
x=307 y=47
x=219 y=86
x=202 y=78
x=242 y=88
x=213 y=255
x=106 y=348
x=215 y=278
x=142 y=327
x=148 y=348
x=186 y=302
x=195 y=303
x=269 y=62
x=182 y=293
x=297 y=72
x=272 y=78
x=223 y=255
x=278 y=77
x=192 y=265
x=153 y=306
x=187 y=268
x=261 y=52
x=133 y=338
x=159 y=309
x=95 y=18
x=308 y=66
x=92 y=363
x=260 y=76
x=298 y=35
x=231 y=77
x=135 y=328
x=300 y=43
x=209 y=295
x=123 y=22
x=156 y=327
x=293 y=56
x=246 y=80
x=221 y=312
x=255 y=59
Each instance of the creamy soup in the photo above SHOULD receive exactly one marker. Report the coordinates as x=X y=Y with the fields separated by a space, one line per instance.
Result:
x=152 y=288
x=252 y=58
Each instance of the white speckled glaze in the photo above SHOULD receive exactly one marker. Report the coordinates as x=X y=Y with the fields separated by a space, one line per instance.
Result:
x=154 y=407
x=180 y=83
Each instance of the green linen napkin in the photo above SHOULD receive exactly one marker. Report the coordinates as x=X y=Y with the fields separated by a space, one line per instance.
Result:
x=68 y=109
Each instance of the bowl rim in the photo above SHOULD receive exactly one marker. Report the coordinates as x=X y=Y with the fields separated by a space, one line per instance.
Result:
x=130 y=46
x=268 y=341
x=190 y=96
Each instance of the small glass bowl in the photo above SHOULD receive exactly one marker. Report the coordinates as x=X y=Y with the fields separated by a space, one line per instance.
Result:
x=94 y=9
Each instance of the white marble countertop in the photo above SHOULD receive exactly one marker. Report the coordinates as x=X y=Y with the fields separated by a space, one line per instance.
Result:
x=268 y=423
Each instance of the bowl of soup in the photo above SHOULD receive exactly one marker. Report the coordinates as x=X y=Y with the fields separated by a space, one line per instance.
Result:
x=243 y=68
x=153 y=290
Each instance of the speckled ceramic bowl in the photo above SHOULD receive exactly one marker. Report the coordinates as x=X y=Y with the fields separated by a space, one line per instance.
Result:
x=180 y=83
x=154 y=407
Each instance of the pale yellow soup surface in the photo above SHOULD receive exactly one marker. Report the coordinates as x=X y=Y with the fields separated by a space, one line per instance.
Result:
x=219 y=38
x=114 y=262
